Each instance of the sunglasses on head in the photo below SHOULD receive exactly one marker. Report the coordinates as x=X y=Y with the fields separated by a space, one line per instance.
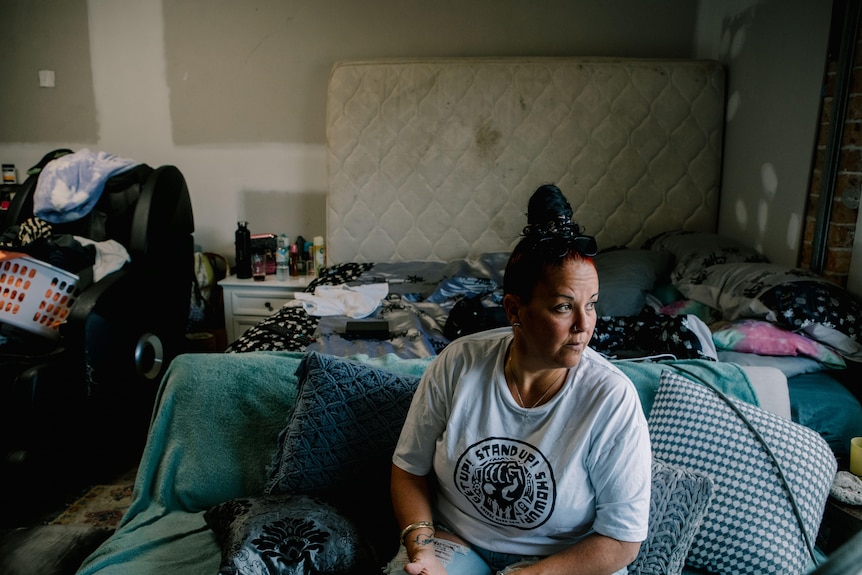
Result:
x=560 y=245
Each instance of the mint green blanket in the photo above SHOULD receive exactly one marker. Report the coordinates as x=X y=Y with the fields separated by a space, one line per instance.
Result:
x=212 y=437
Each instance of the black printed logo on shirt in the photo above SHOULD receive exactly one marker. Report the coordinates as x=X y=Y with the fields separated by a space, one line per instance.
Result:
x=508 y=481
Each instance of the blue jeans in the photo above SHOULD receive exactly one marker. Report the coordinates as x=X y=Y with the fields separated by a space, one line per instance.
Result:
x=461 y=560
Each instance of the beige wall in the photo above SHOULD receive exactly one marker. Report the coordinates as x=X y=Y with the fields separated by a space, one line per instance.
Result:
x=258 y=73
x=775 y=54
x=46 y=35
x=233 y=92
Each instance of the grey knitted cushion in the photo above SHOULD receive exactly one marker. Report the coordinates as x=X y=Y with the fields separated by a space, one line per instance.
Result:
x=678 y=504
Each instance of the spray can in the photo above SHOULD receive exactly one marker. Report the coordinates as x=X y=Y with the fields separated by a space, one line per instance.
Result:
x=242 y=243
x=319 y=255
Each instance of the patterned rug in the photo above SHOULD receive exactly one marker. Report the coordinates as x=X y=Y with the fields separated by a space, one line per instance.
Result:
x=102 y=505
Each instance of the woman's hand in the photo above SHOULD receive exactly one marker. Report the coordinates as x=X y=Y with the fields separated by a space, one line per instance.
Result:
x=425 y=562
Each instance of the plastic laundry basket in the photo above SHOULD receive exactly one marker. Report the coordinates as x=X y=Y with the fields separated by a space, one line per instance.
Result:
x=35 y=296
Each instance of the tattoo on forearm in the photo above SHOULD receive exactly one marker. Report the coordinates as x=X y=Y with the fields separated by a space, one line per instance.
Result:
x=423 y=540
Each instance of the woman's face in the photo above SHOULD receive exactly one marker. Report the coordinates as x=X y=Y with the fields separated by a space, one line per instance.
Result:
x=558 y=323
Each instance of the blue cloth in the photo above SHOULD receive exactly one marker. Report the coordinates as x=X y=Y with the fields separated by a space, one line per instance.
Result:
x=819 y=401
x=728 y=378
x=69 y=187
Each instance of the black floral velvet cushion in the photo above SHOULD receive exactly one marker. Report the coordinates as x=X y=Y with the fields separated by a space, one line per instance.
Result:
x=283 y=535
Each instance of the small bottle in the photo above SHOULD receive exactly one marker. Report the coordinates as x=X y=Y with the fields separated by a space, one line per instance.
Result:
x=300 y=255
x=309 y=260
x=258 y=267
x=293 y=261
x=242 y=243
x=281 y=258
x=10 y=177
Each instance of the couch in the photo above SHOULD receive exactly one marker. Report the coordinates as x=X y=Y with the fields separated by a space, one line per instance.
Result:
x=291 y=451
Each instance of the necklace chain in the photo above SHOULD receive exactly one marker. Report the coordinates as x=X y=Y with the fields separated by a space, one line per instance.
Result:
x=518 y=392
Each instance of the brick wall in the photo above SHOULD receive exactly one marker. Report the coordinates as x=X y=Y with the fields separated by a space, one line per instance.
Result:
x=848 y=183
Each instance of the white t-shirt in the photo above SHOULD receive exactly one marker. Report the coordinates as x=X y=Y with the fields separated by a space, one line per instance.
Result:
x=528 y=481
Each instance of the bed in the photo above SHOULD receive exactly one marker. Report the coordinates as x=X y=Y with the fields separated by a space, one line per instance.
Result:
x=430 y=166
x=431 y=163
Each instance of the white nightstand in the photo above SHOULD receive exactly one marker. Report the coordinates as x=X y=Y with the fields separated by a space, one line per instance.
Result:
x=246 y=301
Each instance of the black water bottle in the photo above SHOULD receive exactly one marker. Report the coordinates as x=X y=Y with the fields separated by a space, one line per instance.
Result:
x=243 y=250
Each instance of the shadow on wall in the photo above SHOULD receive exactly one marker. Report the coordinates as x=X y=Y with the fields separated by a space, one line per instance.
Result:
x=291 y=213
x=773 y=101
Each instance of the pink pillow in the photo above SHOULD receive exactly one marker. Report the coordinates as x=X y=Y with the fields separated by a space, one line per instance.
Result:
x=764 y=338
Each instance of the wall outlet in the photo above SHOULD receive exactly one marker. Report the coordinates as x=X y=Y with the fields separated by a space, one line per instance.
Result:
x=46 y=78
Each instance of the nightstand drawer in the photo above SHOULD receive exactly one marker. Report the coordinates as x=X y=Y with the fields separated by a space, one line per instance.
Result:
x=258 y=304
x=246 y=301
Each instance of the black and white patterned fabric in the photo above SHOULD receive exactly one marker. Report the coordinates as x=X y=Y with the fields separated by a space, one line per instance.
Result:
x=741 y=283
x=291 y=328
x=283 y=535
x=695 y=251
x=652 y=334
x=750 y=526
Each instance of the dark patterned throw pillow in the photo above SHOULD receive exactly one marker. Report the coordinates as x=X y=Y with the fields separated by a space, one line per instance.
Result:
x=345 y=424
x=283 y=535
x=650 y=334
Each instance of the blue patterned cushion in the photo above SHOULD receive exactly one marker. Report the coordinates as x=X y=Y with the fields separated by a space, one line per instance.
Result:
x=750 y=526
x=283 y=534
x=347 y=417
x=679 y=500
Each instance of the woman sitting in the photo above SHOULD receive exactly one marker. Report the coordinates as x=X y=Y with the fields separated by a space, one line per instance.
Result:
x=523 y=448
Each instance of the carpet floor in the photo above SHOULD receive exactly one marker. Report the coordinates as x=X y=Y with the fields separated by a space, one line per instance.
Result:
x=58 y=543
x=101 y=506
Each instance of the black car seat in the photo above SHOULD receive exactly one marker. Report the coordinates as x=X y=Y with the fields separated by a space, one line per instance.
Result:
x=77 y=405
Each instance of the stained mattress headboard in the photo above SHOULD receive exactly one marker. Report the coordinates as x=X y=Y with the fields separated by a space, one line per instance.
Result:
x=436 y=159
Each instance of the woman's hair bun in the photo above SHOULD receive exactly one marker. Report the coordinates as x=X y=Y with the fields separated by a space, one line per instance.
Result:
x=547 y=204
x=549 y=237
x=549 y=214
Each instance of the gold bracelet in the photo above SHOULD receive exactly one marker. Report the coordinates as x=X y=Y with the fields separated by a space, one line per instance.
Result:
x=415 y=526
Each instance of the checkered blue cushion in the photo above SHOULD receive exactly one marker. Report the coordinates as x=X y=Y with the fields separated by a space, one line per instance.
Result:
x=750 y=526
